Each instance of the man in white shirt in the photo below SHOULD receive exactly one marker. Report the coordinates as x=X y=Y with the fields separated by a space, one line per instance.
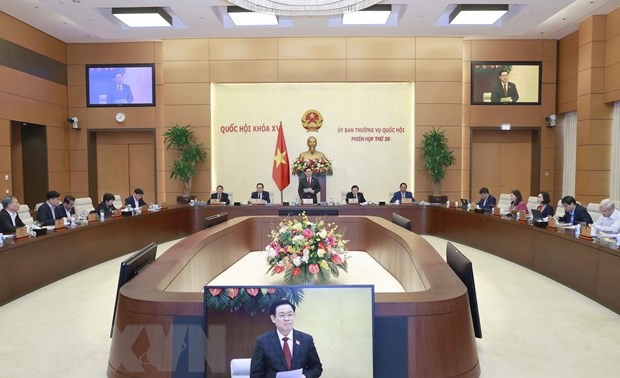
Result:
x=609 y=222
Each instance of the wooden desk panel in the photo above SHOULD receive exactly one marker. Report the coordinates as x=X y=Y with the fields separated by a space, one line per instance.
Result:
x=441 y=341
x=27 y=265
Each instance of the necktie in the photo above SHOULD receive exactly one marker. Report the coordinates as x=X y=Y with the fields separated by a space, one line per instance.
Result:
x=260 y=195
x=308 y=182
x=120 y=89
x=219 y=197
x=572 y=217
x=287 y=352
x=505 y=90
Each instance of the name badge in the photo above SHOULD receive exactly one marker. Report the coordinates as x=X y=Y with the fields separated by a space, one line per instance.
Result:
x=92 y=217
x=21 y=232
x=59 y=223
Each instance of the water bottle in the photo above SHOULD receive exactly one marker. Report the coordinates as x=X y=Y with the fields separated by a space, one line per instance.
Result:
x=447 y=203
x=101 y=216
x=331 y=201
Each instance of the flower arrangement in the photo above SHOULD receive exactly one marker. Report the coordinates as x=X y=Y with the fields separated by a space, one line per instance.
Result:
x=305 y=251
x=321 y=166
x=493 y=68
x=249 y=300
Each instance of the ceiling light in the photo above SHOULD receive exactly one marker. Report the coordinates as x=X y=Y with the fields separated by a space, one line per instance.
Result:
x=244 y=17
x=304 y=8
x=375 y=15
x=477 y=14
x=143 y=17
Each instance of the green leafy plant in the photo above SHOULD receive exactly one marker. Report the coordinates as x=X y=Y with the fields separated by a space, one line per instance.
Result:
x=191 y=152
x=437 y=157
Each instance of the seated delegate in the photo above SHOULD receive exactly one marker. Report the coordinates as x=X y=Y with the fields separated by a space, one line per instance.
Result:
x=355 y=195
x=220 y=196
x=487 y=201
x=516 y=201
x=575 y=213
x=260 y=194
x=543 y=205
x=45 y=212
x=9 y=219
x=66 y=208
x=106 y=205
x=609 y=221
x=403 y=193
x=135 y=200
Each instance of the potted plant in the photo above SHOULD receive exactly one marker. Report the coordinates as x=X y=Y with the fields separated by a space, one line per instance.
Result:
x=437 y=157
x=191 y=152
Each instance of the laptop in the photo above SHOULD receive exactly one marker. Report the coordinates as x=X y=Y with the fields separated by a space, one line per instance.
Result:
x=536 y=214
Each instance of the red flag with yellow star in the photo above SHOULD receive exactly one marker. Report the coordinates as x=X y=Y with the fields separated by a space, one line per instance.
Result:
x=280 y=172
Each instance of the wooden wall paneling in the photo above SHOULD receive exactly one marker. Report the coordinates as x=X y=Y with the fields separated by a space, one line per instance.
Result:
x=485 y=168
x=516 y=167
x=186 y=72
x=244 y=49
x=381 y=48
x=16 y=175
x=380 y=70
x=195 y=115
x=312 y=70
x=514 y=49
x=444 y=48
x=113 y=53
x=112 y=169
x=312 y=48
x=252 y=71
x=185 y=49
x=142 y=170
x=27 y=36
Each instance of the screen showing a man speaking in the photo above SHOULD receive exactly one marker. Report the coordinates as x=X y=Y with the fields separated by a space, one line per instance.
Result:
x=505 y=83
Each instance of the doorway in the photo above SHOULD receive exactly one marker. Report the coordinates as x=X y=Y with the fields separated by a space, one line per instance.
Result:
x=505 y=160
x=120 y=161
x=29 y=162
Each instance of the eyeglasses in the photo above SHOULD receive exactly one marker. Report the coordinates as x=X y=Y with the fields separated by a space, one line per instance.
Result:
x=290 y=315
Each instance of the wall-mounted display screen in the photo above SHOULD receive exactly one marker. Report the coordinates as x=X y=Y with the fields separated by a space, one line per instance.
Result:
x=505 y=83
x=120 y=85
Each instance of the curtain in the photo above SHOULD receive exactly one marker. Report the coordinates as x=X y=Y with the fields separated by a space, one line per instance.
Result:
x=569 y=124
x=614 y=190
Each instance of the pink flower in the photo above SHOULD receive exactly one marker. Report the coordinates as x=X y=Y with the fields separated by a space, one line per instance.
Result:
x=232 y=293
x=336 y=259
x=215 y=292
x=253 y=292
x=296 y=272
x=307 y=233
x=313 y=268
x=278 y=269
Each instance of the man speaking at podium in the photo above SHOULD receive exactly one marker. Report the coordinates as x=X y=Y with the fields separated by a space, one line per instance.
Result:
x=308 y=186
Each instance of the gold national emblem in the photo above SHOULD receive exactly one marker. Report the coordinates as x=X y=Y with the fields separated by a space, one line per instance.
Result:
x=312 y=120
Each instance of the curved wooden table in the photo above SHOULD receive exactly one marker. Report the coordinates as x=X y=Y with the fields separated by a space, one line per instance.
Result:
x=433 y=324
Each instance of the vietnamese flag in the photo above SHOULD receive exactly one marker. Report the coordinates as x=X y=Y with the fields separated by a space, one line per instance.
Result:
x=280 y=171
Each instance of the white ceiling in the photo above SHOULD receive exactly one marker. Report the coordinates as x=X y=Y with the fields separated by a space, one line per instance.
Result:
x=76 y=21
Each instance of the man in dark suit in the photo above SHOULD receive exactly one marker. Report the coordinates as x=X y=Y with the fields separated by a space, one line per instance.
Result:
x=308 y=182
x=283 y=348
x=9 y=219
x=504 y=91
x=119 y=93
x=65 y=210
x=260 y=194
x=45 y=212
x=135 y=200
x=403 y=193
x=355 y=195
x=220 y=195
x=487 y=201
x=575 y=214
